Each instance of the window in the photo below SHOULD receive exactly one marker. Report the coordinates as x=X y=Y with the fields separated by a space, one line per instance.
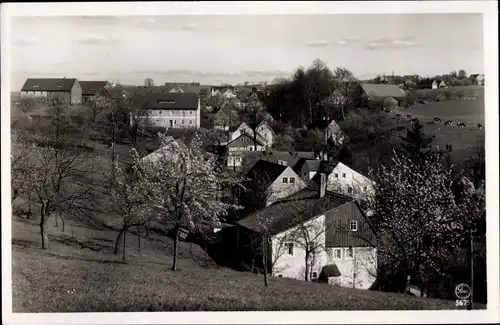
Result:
x=349 y=189
x=336 y=175
x=182 y=121
x=349 y=252
x=190 y=112
x=183 y=112
x=251 y=148
x=289 y=247
x=159 y=112
x=190 y=122
x=175 y=121
x=364 y=188
x=314 y=275
x=292 y=180
x=285 y=180
x=353 y=225
x=343 y=175
x=36 y=86
x=171 y=112
x=337 y=253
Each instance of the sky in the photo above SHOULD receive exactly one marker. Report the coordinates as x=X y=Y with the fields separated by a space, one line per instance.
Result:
x=233 y=49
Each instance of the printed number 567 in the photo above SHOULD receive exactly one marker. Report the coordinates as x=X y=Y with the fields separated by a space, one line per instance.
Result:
x=461 y=302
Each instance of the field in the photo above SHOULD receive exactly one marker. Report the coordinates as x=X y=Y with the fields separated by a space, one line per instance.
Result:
x=465 y=141
x=81 y=274
x=468 y=91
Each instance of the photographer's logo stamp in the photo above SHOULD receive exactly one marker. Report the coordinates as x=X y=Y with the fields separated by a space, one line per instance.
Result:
x=463 y=293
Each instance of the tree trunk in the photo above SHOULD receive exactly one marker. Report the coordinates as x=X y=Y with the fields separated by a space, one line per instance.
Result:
x=56 y=224
x=253 y=263
x=117 y=241
x=176 y=241
x=138 y=240
x=306 y=275
x=124 y=245
x=42 y=224
x=62 y=220
x=264 y=258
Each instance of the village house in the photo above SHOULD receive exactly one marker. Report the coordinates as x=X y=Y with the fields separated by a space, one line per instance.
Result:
x=224 y=91
x=274 y=180
x=330 y=129
x=329 y=228
x=377 y=94
x=264 y=133
x=172 y=110
x=237 y=147
x=477 y=79
x=67 y=89
x=91 y=89
x=222 y=119
x=286 y=158
x=438 y=84
x=185 y=87
x=343 y=179
x=307 y=168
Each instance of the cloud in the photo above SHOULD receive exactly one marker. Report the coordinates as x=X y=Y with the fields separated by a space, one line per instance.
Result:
x=191 y=26
x=344 y=41
x=97 y=40
x=388 y=43
x=317 y=43
x=27 y=41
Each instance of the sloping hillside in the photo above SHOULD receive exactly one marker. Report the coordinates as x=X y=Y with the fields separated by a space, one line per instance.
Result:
x=81 y=274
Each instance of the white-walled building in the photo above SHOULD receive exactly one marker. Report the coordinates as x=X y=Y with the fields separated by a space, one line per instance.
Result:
x=277 y=181
x=172 y=110
x=337 y=233
x=67 y=89
x=238 y=146
x=264 y=133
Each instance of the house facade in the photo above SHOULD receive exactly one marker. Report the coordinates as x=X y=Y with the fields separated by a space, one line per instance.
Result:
x=307 y=168
x=347 y=181
x=67 y=89
x=91 y=89
x=264 y=133
x=375 y=94
x=238 y=146
x=325 y=227
x=172 y=110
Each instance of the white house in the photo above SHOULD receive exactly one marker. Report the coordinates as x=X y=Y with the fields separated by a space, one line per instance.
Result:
x=264 y=133
x=238 y=146
x=343 y=179
x=276 y=180
x=435 y=84
x=329 y=228
x=334 y=132
x=172 y=110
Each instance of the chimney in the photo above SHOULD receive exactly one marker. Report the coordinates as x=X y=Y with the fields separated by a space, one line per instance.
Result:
x=322 y=185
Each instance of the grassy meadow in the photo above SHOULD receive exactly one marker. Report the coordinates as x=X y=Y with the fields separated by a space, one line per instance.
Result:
x=80 y=273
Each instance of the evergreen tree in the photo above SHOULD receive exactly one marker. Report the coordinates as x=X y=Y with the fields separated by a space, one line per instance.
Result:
x=416 y=145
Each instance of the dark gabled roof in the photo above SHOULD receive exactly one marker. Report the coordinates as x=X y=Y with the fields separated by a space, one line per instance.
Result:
x=266 y=171
x=274 y=156
x=90 y=88
x=319 y=124
x=249 y=137
x=312 y=164
x=160 y=100
x=48 y=84
x=383 y=90
x=293 y=210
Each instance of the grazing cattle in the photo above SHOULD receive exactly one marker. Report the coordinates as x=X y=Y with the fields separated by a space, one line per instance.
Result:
x=480 y=126
x=414 y=120
x=461 y=124
x=408 y=116
x=437 y=119
x=449 y=122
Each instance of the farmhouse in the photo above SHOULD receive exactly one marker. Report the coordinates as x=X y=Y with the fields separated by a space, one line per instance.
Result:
x=237 y=147
x=378 y=93
x=331 y=130
x=342 y=179
x=307 y=168
x=274 y=180
x=308 y=230
x=67 y=89
x=172 y=110
x=91 y=89
x=438 y=84
x=264 y=133
x=222 y=119
x=287 y=158
x=225 y=91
